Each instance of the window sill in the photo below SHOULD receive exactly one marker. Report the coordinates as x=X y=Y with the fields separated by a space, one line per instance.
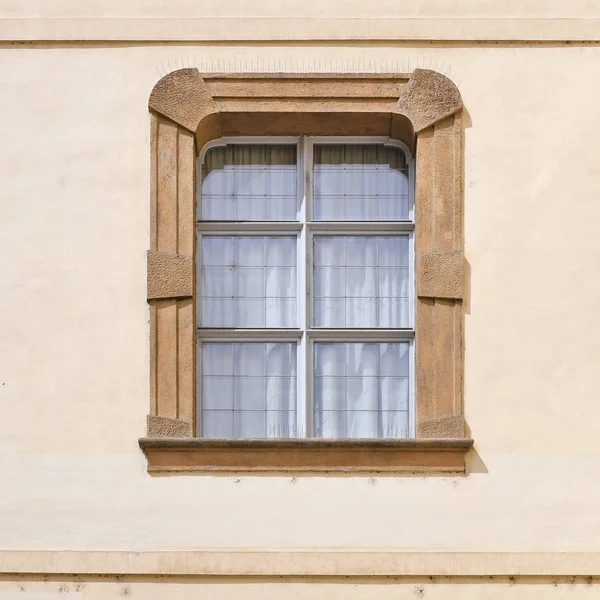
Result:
x=306 y=455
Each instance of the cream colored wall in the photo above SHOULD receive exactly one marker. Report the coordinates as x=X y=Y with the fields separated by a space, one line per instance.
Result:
x=74 y=321
x=285 y=20
x=219 y=589
x=297 y=8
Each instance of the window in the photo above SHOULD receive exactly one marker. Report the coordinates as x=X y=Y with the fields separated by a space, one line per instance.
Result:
x=305 y=299
x=310 y=321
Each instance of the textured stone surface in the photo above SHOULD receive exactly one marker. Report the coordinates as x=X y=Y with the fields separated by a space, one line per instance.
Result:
x=428 y=98
x=307 y=455
x=439 y=279
x=445 y=427
x=440 y=275
x=428 y=103
x=183 y=97
x=169 y=275
x=164 y=427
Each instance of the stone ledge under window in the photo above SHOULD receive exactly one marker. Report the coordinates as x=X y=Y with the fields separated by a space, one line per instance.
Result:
x=307 y=455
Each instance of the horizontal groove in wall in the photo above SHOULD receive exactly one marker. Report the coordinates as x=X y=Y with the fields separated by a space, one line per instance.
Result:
x=305 y=562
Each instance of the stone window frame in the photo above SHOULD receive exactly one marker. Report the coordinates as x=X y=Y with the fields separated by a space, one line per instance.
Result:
x=423 y=109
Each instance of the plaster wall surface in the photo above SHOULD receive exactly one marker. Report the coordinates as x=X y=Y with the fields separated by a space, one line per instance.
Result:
x=74 y=229
x=289 y=20
x=62 y=588
x=298 y=9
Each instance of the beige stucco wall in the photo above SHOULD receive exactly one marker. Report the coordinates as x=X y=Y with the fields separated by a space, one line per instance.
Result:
x=74 y=322
x=185 y=20
x=74 y=229
x=218 y=589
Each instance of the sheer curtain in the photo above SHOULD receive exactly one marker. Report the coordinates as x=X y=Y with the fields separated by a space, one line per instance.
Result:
x=360 y=182
x=248 y=281
x=249 y=182
x=361 y=389
x=361 y=281
x=248 y=390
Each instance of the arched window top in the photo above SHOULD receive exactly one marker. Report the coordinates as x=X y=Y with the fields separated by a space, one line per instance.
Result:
x=261 y=178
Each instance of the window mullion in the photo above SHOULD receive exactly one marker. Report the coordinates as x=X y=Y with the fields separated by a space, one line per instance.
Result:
x=302 y=404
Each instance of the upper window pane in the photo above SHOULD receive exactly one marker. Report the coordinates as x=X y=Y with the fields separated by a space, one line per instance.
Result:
x=360 y=182
x=249 y=182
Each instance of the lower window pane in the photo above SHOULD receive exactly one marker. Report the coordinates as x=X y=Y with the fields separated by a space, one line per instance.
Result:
x=248 y=390
x=361 y=390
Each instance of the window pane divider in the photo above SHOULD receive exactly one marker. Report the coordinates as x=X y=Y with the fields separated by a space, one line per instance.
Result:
x=258 y=227
x=360 y=335
x=362 y=227
x=273 y=335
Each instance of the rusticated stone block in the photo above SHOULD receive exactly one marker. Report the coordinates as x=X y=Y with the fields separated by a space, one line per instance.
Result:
x=169 y=275
x=445 y=427
x=440 y=275
x=164 y=427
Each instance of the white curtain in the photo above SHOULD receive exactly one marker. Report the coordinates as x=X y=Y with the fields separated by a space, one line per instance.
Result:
x=361 y=281
x=361 y=390
x=360 y=182
x=248 y=390
x=249 y=182
x=248 y=281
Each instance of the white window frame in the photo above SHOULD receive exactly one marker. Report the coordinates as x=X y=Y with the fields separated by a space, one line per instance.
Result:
x=305 y=229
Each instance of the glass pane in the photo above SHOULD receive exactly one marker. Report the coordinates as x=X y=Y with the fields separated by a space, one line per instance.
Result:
x=250 y=393
x=330 y=424
x=249 y=282
x=217 y=359
x=217 y=424
x=360 y=182
x=217 y=393
x=248 y=389
x=361 y=389
x=394 y=424
x=281 y=424
x=394 y=359
x=242 y=284
x=249 y=182
x=281 y=393
x=361 y=281
x=281 y=252
x=362 y=424
x=217 y=312
x=249 y=313
x=281 y=360
x=329 y=312
x=280 y=312
x=361 y=393
x=330 y=393
x=250 y=424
